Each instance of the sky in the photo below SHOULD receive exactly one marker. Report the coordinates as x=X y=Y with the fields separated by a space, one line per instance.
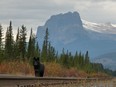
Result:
x=34 y=13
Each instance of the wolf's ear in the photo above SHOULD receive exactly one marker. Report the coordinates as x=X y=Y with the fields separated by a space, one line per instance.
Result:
x=34 y=58
x=38 y=58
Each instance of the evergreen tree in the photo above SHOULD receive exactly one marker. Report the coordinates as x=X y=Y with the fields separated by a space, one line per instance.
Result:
x=56 y=57
x=64 y=59
x=1 y=37
x=51 y=52
x=45 y=47
x=87 y=60
x=22 y=42
x=37 y=50
x=82 y=61
x=76 y=60
x=43 y=52
x=71 y=60
x=88 y=65
x=9 y=42
x=1 y=43
x=31 y=46
x=16 y=47
x=17 y=36
x=62 y=55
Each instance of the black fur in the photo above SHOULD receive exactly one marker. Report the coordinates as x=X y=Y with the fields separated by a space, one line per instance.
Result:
x=38 y=67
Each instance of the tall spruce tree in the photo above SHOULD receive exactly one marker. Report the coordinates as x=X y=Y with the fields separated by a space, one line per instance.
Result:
x=65 y=59
x=81 y=60
x=1 y=43
x=17 y=36
x=87 y=61
x=71 y=58
x=9 y=42
x=45 y=47
x=16 y=47
x=1 y=37
x=76 y=60
x=62 y=55
x=31 y=46
x=37 y=50
x=88 y=65
x=51 y=52
x=22 y=42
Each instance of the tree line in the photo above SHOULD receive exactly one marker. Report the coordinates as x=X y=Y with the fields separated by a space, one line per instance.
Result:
x=11 y=49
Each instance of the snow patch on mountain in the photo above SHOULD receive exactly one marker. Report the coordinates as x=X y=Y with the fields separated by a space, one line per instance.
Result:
x=114 y=25
x=107 y=28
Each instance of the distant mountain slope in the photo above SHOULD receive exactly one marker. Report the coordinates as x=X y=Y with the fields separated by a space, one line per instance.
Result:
x=70 y=32
x=108 y=60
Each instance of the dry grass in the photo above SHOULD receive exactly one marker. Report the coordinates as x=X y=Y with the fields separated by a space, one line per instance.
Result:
x=51 y=69
x=54 y=69
x=24 y=68
x=16 y=67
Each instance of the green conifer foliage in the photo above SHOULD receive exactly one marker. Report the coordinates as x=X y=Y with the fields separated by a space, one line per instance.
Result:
x=44 y=54
x=1 y=42
x=9 y=42
x=22 y=42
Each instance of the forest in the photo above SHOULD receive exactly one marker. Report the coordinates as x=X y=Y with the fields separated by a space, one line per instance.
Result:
x=22 y=50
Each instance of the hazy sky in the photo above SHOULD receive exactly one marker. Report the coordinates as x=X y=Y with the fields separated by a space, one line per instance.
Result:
x=33 y=13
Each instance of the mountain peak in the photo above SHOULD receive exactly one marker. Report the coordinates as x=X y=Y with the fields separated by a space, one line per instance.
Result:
x=66 y=30
x=69 y=18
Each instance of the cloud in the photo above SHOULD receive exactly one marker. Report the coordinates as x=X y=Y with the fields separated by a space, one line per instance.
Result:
x=100 y=0
x=41 y=10
x=34 y=13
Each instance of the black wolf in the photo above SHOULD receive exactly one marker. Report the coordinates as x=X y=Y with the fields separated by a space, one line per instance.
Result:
x=38 y=67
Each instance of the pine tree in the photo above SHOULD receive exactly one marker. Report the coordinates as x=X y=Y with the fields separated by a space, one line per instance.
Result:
x=88 y=65
x=44 y=52
x=51 y=52
x=62 y=55
x=81 y=60
x=87 y=61
x=64 y=59
x=76 y=60
x=45 y=47
x=31 y=46
x=9 y=42
x=37 y=50
x=1 y=37
x=17 y=36
x=56 y=57
x=1 y=43
x=71 y=58
x=16 y=47
x=22 y=42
